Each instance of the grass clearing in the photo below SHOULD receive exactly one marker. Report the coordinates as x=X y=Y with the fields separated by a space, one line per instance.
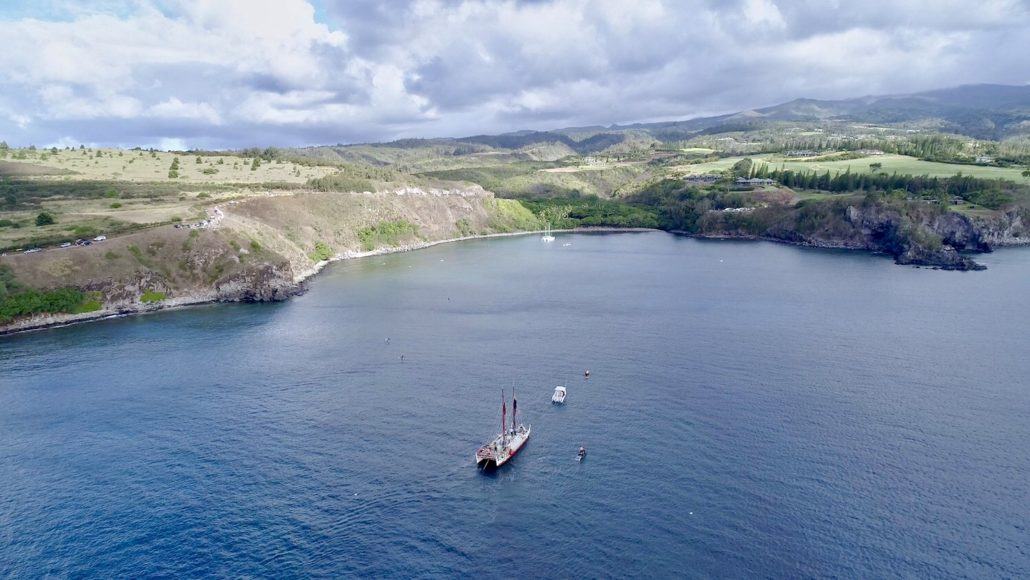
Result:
x=143 y=166
x=900 y=164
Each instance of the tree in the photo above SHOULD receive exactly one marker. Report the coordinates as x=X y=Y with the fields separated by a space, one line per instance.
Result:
x=742 y=168
x=255 y=164
x=45 y=219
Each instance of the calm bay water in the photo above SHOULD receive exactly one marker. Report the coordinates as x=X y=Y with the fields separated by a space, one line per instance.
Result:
x=754 y=409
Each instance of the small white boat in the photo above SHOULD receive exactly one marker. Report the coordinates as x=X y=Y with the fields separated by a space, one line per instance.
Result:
x=581 y=455
x=558 y=398
x=547 y=237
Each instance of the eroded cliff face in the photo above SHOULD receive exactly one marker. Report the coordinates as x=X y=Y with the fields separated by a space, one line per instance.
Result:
x=935 y=238
x=261 y=250
x=917 y=238
x=912 y=233
x=1011 y=228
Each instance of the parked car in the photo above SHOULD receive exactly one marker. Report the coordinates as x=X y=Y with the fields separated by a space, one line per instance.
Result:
x=99 y=238
x=66 y=244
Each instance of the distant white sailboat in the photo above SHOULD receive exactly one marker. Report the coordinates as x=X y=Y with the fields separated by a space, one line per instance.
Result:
x=547 y=237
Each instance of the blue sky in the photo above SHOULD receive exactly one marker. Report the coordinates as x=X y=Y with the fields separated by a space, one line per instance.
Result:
x=237 y=73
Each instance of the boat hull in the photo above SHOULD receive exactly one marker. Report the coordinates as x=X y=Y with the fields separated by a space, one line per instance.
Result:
x=494 y=455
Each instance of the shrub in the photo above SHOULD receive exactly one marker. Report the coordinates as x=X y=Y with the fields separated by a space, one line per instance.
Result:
x=91 y=302
x=508 y=215
x=17 y=301
x=116 y=205
x=152 y=296
x=45 y=219
x=322 y=252
x=387 y=233
x=85 y=231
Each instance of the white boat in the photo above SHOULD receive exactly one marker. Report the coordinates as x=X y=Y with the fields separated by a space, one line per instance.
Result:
x=508 y=442
x=547 y=237
x=558 y=397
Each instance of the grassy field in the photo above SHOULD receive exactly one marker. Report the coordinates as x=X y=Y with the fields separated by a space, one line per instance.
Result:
x=890 y=164
x=705 y=167
x=147 y=166
x=89 y=192
x=537 y=179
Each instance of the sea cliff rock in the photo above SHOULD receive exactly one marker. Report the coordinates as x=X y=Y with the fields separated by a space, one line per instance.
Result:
x=265 y=283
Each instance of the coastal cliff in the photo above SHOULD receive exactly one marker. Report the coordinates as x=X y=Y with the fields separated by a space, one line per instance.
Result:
x=255 y=249
x=912 y=233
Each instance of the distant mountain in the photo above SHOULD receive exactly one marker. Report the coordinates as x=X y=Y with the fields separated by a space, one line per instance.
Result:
x=981 y=111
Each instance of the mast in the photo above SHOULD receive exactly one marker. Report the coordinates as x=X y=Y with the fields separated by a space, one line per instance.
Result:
x=504 y=417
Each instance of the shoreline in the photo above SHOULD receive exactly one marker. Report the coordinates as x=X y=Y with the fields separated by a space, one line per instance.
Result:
x=49 y=321
x=60 y=320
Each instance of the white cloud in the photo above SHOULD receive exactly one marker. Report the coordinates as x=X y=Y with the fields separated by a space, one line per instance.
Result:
x=170 y=144
x=173 y=108
x=255 y=72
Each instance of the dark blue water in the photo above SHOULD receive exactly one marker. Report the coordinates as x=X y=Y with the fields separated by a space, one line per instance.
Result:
x=754 y=410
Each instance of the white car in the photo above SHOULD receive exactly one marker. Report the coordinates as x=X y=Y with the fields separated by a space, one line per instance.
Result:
x=99 y=238
x=66 y=245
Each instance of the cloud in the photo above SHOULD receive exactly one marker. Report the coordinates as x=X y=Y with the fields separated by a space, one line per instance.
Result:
x=234 y=73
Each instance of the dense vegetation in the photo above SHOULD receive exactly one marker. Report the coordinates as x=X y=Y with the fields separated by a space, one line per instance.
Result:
x=322 y=252
x=586 y=211
x=386 y=233
x=17 y=301
x=990 y=193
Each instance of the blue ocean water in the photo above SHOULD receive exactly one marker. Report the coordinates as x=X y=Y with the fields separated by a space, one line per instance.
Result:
x=753 y=410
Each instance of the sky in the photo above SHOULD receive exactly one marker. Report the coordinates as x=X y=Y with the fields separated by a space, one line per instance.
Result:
x=217 y=74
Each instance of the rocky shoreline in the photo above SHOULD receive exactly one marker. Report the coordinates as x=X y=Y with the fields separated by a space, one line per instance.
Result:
x=255 y=288
x=939 y=240
x=867 y=228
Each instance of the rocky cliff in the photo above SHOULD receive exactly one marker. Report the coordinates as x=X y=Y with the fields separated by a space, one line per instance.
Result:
x=260 y=248
x=912 y=232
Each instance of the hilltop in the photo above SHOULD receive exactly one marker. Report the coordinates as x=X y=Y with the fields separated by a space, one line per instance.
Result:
x=86 y=232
